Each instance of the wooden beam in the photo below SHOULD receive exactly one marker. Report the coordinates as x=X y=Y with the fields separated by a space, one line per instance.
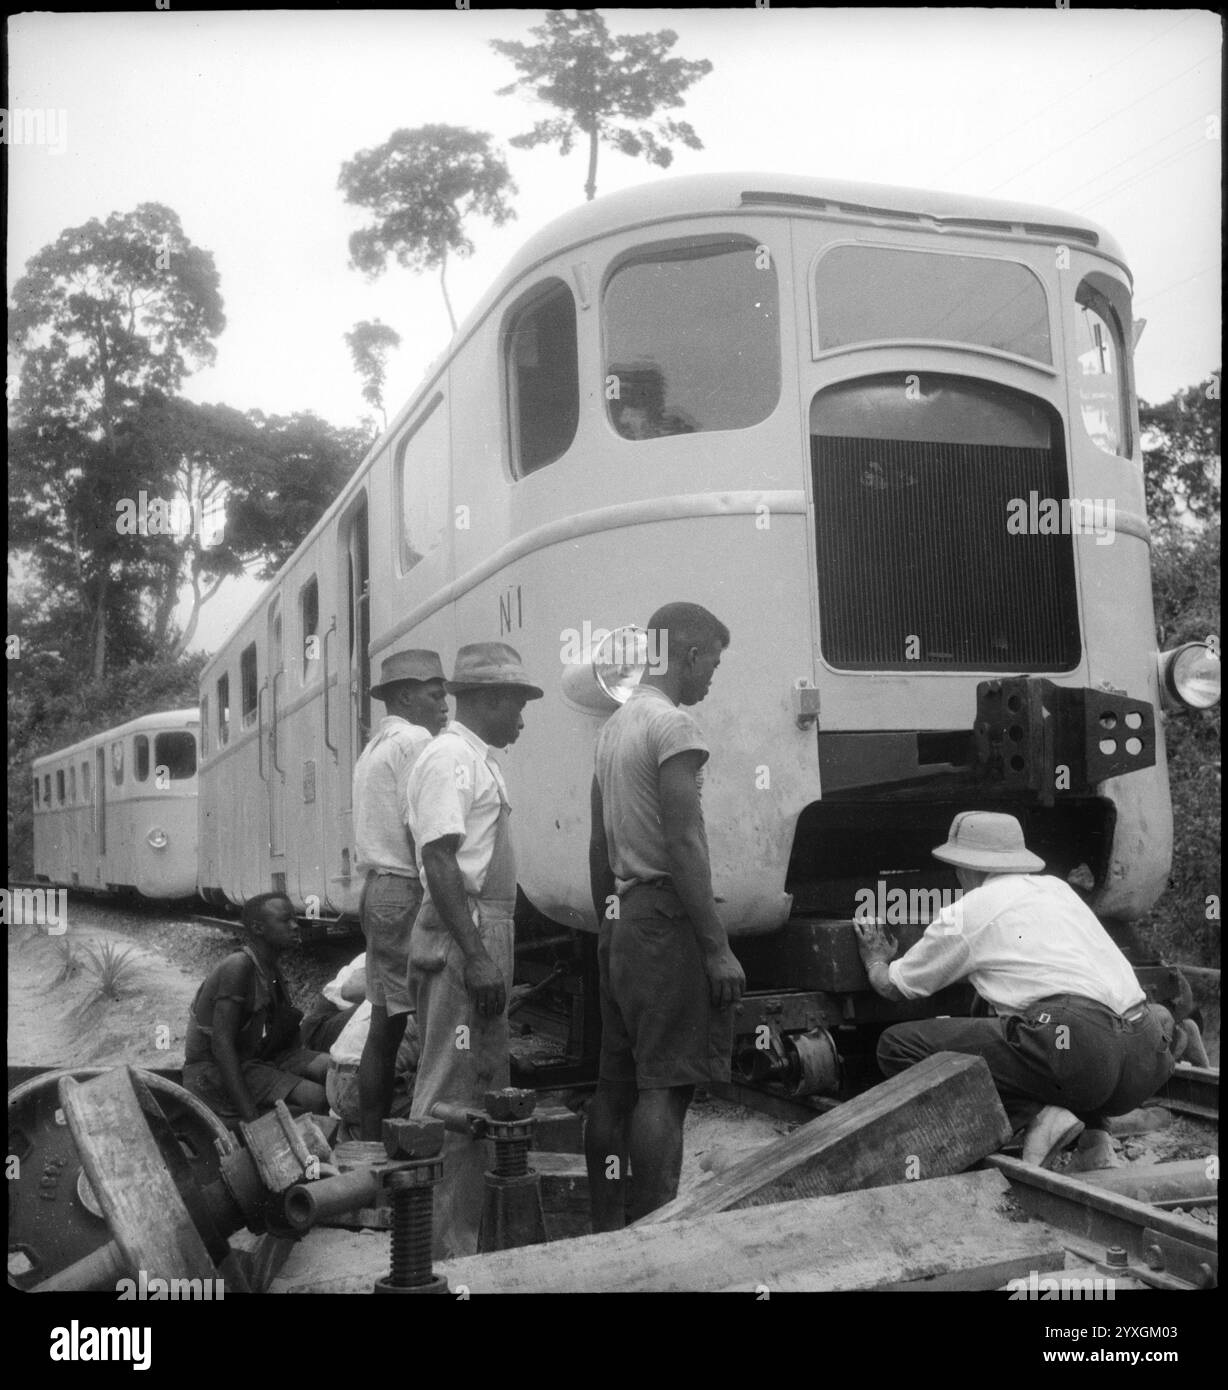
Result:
x=934 y=1119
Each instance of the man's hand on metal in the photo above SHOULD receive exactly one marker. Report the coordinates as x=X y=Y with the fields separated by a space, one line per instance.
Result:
x=875 y=942
x=484 y=982
x=726 y=979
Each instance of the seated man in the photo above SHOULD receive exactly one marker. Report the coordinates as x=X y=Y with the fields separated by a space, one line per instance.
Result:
x=1075 y=1039
x=337 y=1002
x=241 y=1054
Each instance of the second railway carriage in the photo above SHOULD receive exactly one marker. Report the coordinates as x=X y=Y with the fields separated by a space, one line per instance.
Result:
x=117 y=811
x=888 y=436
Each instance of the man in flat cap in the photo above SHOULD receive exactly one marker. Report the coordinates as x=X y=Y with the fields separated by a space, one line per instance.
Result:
x=462 y=944
x=411 y=685
x=1074 y=1039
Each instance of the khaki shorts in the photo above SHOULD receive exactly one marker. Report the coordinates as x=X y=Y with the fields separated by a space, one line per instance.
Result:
x=390 y=902
x=266 y=1082
x=658 y=1026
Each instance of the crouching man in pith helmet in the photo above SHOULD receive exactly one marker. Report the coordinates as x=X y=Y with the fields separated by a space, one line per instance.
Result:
x=1074 y=1040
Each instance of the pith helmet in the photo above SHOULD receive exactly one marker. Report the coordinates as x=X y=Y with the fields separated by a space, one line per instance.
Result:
x=480 y=665
x=408 y=666
x=989 y=841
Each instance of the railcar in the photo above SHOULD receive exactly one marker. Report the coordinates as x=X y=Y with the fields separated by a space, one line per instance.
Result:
x=889 y=436
x=117 y=811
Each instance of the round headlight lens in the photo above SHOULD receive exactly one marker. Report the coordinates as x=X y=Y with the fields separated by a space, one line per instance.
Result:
x=619 y=661
x=158 y=839
x=1194 y=675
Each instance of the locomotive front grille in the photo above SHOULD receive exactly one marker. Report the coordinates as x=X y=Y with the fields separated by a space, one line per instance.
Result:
x=917 y=569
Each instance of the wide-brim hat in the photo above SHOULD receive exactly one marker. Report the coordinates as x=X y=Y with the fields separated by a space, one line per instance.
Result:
x=989 y=841
x=414 y=665
x=483 y=665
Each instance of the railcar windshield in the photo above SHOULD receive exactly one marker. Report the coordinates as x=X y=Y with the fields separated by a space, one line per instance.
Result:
x=692 y=338
x=177 y=753
x=878 y=293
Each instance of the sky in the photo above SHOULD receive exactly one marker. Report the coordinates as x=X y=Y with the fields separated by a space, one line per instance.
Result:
x=240 y=122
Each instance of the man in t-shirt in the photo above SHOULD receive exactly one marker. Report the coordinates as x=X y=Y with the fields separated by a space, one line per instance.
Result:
x=241 y=1055
x=411 y=687
x=668 y=979
x=1074 y=1040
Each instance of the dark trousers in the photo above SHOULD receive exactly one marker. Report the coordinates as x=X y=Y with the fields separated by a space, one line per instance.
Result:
x=1067 y=1051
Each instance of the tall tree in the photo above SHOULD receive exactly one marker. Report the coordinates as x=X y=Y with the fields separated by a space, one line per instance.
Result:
x=1182 y=454
x=608 y=88
x=369 y=345
x=109 y=313
x=421 y=185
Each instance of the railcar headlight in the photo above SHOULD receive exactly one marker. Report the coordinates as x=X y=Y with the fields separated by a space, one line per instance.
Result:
x=607 y=669
x=1191 y=675
x=157 y=838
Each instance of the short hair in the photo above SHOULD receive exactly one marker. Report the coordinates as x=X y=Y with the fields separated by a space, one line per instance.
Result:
x=687 y=625
x=253 y=908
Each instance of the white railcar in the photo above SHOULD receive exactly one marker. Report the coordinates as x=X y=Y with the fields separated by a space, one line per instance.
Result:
x=810 y=406
x=118 y=810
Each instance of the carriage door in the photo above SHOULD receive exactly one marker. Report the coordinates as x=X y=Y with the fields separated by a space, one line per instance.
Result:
x=100 y=809
x=277 y=776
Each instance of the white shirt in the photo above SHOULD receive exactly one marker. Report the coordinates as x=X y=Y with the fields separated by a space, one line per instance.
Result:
x=456 y=788
x=1019 y=938
x=382 y=838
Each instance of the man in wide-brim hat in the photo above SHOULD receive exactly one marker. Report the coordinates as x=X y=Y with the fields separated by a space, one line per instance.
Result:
x=1074 y=1040
x=461 y=948
x=411 y=685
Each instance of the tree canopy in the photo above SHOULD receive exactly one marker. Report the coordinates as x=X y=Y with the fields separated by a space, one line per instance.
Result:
x=607 y=88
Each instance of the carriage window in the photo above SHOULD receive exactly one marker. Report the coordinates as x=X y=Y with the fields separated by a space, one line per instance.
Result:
x=1098 y=347
x=309 y=619
x=85 y=783
x=140 y=758
x=117 y=764
x=38 y=798
x=177 y=753
x=204 y=725
x=870 y=294
x=46 y=789
x=543 y=379
x=223 y=710
x=72 y=785
x=59 y=788
x=422 y=485
x=692 y=339
x=247 y=684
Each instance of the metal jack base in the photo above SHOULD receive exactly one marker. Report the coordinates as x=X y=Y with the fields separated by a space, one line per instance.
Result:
x=512 y=1213
x=438 y=1284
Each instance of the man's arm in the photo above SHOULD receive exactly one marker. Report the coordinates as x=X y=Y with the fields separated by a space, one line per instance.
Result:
x=682 y=824
x=877 y=947
x=229 y=1015
x=600 y=875
x=483 y=979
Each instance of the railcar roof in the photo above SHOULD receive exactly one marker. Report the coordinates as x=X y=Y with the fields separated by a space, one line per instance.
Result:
x=165 y=719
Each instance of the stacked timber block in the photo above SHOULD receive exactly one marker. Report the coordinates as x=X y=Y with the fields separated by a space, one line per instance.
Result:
x=936 y=1118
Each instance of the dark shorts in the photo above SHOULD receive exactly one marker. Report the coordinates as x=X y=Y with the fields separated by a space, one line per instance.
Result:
x=658 y=1026
x=390 y=902
x=267 y=1082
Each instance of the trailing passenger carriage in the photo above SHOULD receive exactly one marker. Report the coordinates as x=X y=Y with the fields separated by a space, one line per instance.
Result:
x=890 y=437
x=117 y=811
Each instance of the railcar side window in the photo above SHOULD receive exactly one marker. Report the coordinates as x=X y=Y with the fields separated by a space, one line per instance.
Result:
x=117 y=763
x=46 y=789
x=543 y=380
x=223 y=710
x=204 y=725
x=692 y=338
x=247 y=683
x=85 y=783
x=140 y=758
x=309 y=620
x=868 y=294
x=72 y=785
x=1101 y=384
x=38 y=798
x=59 y=787
x=422 y=484
x=177 y=753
